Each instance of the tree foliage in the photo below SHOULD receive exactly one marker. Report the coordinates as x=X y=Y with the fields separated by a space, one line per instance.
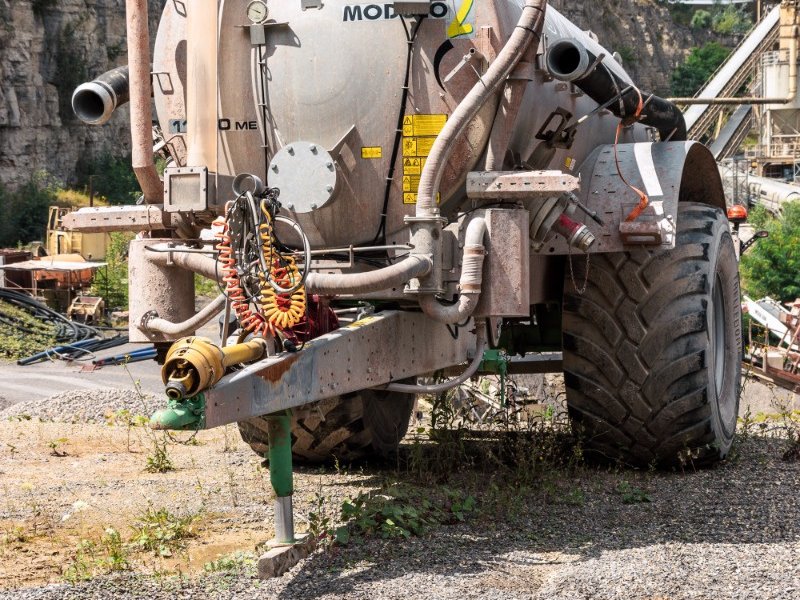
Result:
x=112 y=177
x=23 y=212
x=111 y=282
x=701 y=19
x=772 y=266
x=689 y=77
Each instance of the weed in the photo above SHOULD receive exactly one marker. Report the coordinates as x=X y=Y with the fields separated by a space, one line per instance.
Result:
x=161 y=532
x=92 y=558
x=631 y=494
x=400 y=512
x=54 y=445
x=230 y=562
x=575 y=497
x=159 y=461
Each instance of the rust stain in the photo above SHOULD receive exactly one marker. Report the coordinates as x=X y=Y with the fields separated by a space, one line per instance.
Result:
x=275 y=372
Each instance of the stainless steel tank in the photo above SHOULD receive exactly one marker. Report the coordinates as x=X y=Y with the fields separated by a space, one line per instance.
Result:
x=310 y=101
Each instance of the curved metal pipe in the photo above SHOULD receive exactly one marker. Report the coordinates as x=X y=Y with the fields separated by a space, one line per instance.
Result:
x=469 y=283
x=528 y=29
x=196 y=263
x=480 y=346
x=95 y=101
x=371 y=281
x=203 y=316
x=138 y=35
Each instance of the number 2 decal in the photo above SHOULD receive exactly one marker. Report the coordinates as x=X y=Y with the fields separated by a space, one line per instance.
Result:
x=459 y=26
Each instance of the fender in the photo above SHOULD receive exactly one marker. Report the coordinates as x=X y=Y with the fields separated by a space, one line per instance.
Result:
x=668 y=172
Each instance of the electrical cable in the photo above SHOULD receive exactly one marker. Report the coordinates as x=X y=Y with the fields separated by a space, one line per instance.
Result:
x=410 y=38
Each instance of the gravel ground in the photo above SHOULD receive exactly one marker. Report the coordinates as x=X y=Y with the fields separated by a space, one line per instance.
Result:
x=732 y=532
x=728 y=533
x=84 y=406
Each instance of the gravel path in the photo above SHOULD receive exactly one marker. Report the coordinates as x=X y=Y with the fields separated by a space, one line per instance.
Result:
x=85 y=406
x=728 y=533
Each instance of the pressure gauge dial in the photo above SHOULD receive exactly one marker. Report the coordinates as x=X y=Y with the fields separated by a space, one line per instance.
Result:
x=257 y=11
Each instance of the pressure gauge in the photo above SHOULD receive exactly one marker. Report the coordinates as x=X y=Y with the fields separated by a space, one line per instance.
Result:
x=257 y=11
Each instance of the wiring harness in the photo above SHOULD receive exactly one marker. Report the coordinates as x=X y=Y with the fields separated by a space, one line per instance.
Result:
x=261 y=277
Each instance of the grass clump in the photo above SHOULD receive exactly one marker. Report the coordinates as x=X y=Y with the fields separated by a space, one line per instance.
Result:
x=21 y=334
x=162 y=532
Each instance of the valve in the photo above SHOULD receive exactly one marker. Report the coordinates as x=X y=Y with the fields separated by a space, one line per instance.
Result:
x=576 y=234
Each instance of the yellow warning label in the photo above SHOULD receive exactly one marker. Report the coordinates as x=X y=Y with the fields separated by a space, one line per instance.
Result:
x=413 y=165
x=408 y=126
x=424 y=145
x=569 y=163
x=417 y=146
x=410 y=183
x=371 y=152
x=428 y=124
x=409 y=146
x=411 y=198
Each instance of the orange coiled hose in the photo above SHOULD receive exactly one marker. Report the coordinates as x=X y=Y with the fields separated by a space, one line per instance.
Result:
x=250 y=321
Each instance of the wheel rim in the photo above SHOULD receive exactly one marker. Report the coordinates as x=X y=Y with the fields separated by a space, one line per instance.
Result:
x=719 y=353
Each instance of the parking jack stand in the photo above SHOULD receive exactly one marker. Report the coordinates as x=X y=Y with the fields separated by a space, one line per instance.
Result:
x=286 y=549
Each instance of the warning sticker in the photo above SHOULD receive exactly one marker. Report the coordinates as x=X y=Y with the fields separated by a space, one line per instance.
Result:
x=371 y=152
x=413 y=165
x=419 y=133
x=411 y=198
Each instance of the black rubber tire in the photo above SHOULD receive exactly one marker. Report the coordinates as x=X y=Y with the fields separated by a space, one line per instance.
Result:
x=652 y=349
x=345 y=428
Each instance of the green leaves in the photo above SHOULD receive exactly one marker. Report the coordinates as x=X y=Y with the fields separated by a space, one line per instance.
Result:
x=772 y=266
x=698 y=67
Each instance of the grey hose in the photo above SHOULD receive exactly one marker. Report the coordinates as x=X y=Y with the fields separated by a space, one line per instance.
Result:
x=480 y=346
x=196 y=263
x=528 y=30
x=157 y=324
x=316 y=283
x=469 y=283
x=371 y=281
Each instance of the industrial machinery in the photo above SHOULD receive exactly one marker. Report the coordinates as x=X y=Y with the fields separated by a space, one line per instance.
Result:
x=394 y=189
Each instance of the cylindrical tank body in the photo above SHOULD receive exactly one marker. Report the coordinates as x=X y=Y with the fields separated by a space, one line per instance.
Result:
x=332 y=76
x=772 y=194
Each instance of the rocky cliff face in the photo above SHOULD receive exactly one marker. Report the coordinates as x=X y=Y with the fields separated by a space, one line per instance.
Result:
x=48 y=47
x=641 y=31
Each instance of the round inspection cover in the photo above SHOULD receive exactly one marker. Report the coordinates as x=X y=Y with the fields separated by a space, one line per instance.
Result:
x=305 y=174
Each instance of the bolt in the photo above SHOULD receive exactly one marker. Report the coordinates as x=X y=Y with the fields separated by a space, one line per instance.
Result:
x=313 y=149
x=275 y=168
x=290 y=150
x=329 y=188
x=329 y=165
x=313 y=207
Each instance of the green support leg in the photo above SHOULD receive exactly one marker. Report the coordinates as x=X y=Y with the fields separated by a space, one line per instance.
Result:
x=279 y=430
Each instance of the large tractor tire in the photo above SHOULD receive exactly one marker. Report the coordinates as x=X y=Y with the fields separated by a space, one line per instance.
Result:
x=344 y=428
x=652 y=348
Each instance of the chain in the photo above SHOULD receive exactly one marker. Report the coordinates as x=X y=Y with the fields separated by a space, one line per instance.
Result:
x=580 y=291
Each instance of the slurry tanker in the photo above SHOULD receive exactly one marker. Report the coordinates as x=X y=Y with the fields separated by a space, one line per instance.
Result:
x=386 y=191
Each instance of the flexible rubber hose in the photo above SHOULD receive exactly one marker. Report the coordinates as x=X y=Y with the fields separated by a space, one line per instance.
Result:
x=371 y=281
x=469 y=282
x=437 y=388
x=528 y=30
x=186 y=327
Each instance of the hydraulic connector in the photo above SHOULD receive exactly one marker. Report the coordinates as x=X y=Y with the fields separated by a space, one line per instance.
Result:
x=576 y=234
x=193 y=364
x=189 y=413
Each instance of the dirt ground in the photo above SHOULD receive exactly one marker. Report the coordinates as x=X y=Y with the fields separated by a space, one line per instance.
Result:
x=61 y=484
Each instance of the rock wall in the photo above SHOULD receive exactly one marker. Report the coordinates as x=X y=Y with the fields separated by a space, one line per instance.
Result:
x=47 y=47
x=642 y=32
